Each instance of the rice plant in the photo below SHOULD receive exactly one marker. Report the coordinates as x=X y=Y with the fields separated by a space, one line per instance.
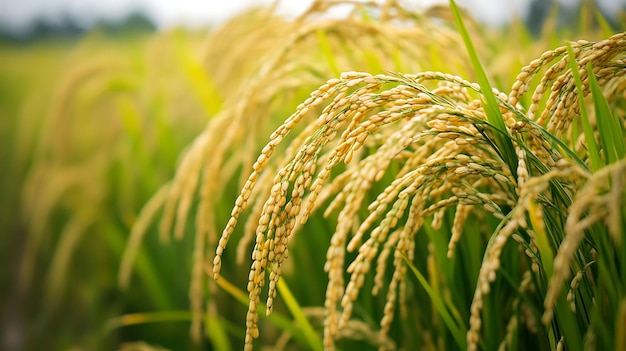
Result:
x=391 y=178
x=233 y=136
x=448 y=154
x=91 y=143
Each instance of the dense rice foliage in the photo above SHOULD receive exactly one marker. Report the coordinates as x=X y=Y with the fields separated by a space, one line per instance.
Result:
x=389 y=179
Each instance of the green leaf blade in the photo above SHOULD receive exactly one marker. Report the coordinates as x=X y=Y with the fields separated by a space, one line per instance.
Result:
x=490 y=103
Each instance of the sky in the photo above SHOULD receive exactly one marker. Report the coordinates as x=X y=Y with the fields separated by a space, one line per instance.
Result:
x=18 y=14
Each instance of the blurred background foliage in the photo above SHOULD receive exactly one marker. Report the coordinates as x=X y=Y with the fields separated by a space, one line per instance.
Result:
x=93 y=122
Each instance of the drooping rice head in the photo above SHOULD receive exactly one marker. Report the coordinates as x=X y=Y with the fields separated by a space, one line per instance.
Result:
x=431 y=128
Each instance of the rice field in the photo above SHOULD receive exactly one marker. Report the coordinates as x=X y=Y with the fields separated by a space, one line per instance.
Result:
x=388 y=179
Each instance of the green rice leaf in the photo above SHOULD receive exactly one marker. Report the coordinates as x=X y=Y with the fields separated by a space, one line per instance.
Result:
x=609 y=127
x=607 y=31
x=202 y=85
x=327 y=50
x=313 y=340
x=277 y=319
x=594 y=154
x=446 y=310
x=216 y=331
x=492 y=109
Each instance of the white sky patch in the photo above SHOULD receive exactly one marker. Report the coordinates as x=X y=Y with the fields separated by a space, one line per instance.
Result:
x=19 y=14
x=198 y=12
x=495 y=12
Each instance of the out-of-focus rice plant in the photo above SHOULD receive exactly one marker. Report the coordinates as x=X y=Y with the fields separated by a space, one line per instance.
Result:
x=91 y=145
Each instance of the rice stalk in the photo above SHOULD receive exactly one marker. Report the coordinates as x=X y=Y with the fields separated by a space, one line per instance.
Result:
x=439 y=136
x=600 y=200
x=91 y=167
x=428 y=115
x=233 y=133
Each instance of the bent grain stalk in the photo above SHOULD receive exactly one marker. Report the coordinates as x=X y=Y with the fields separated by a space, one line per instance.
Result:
x=437 y=135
